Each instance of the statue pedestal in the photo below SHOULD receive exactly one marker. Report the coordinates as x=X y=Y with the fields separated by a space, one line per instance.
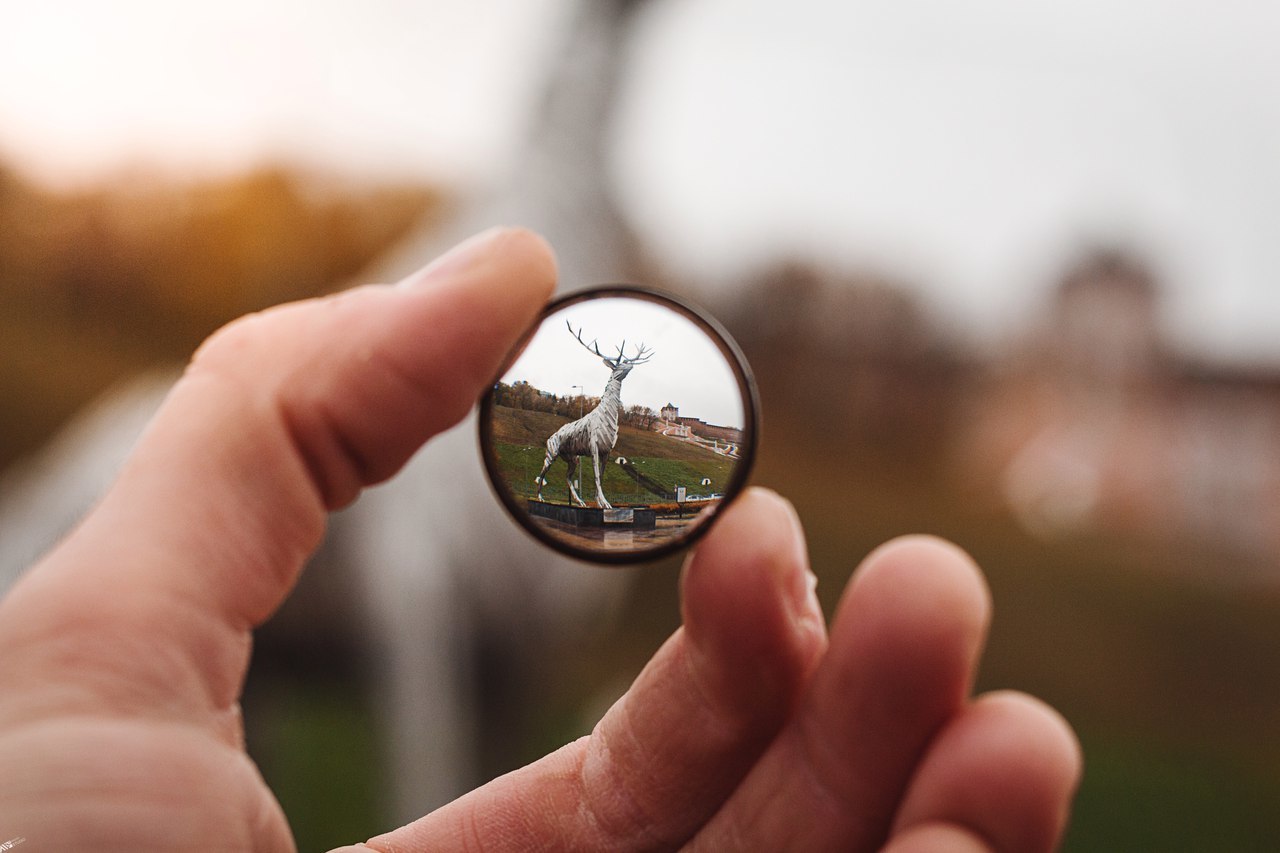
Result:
x=622 y=518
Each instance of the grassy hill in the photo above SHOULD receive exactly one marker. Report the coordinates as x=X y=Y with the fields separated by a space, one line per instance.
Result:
x=520 y=447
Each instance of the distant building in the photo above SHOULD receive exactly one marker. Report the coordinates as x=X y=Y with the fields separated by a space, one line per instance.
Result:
x=687 y=426
x=711 y=432
x=1096 y=423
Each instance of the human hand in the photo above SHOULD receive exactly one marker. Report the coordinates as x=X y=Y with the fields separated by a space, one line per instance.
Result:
x=125 y=649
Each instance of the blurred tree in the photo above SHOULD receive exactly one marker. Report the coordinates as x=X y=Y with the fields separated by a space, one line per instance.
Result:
x=98 y=284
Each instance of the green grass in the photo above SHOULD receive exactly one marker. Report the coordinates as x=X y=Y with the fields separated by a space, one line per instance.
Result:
x=1152 y=797
x=520 y=448
x=316 y=742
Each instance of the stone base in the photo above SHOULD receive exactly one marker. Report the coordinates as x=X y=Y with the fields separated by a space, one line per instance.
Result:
x=628 y=518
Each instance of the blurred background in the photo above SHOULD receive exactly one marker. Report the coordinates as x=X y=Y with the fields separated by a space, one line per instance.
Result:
x=1003 y=270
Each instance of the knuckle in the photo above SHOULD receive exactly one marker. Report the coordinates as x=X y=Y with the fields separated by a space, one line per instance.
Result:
x=241 y=339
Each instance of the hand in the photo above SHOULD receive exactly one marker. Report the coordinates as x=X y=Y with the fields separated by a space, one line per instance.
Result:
x=125 y=649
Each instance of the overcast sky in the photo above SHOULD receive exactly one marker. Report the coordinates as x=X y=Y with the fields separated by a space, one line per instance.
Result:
x=686 y=368
x=971 y=147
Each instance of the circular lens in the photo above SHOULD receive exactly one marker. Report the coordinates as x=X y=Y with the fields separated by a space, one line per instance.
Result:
x=625 y=424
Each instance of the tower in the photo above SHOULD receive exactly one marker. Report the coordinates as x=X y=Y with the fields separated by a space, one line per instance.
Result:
x=446 y=572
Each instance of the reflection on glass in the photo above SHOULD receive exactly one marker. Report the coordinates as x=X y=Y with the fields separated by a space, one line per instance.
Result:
x=624 y=425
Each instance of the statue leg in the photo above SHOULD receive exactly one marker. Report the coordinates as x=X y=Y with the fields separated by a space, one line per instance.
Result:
x=601 y=501
x=574 y=462
x=542 y=476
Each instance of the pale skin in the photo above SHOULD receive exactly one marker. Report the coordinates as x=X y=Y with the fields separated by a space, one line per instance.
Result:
x=754 y=727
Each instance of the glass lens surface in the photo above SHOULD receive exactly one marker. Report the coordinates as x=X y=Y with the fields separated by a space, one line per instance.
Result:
x=625 y=424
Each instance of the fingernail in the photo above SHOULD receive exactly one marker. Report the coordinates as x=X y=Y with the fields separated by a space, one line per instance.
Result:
x=802 y=585
x=458 y=258
x=806 y=610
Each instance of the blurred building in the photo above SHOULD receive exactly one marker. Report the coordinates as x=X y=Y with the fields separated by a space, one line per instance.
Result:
x=1097 y=423
x=1093 y=422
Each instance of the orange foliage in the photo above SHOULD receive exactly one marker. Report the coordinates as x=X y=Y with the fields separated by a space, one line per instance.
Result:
x=101 y=283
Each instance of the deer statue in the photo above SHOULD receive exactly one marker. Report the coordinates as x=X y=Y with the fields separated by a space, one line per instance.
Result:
x=595 y=433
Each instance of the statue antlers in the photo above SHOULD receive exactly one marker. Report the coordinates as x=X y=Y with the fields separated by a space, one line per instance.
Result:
x=594 y=347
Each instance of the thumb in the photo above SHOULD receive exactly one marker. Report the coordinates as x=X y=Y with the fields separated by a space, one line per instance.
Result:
x=281 y=417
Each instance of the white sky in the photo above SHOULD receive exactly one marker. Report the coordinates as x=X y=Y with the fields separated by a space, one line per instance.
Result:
x=686 y=368
x=436 y=88
x=972 y=146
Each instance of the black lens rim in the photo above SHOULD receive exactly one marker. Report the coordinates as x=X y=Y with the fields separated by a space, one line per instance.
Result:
x=751 y=428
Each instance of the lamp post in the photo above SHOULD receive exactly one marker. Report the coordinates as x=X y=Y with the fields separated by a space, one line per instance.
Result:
x=581 y=403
